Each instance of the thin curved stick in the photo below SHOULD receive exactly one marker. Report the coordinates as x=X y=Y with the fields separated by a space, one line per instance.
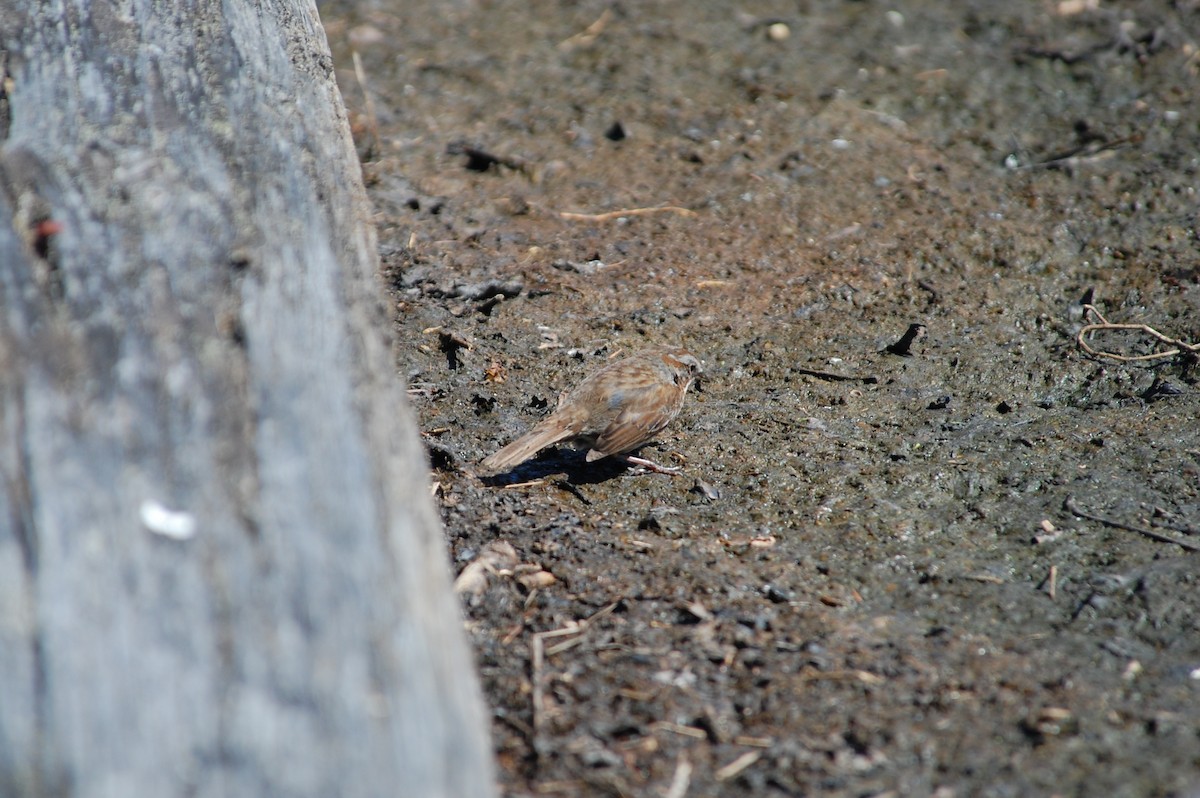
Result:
x=1105 y=324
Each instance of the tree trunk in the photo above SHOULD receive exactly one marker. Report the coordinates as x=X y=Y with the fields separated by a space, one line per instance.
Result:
x=220 y=569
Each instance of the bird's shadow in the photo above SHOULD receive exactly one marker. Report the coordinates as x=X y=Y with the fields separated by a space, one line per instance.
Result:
x=561 y=461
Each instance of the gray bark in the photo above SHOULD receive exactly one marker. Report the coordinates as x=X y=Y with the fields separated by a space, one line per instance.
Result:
x=191 y=323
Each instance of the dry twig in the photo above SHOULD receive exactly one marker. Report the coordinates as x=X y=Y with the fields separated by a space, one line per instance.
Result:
x=606 y=217
x=1084 y=153
x=1070 y=506
x=1105 y=324
x=533 y=483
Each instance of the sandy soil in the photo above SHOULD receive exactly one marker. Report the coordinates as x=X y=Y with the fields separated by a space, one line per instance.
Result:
x=875 y=575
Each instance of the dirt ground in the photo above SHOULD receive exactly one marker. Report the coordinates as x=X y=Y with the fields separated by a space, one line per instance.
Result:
x=879 y=573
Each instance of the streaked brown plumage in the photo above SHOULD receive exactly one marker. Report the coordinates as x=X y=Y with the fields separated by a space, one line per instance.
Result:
x=614 y=411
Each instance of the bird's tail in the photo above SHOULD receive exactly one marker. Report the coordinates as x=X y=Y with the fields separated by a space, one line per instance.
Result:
x=529 y=444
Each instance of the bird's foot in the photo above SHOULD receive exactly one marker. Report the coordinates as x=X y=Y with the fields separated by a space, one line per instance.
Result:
x=650 y=465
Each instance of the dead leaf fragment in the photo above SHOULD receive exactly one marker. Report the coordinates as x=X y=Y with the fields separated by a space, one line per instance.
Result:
x=497 y=556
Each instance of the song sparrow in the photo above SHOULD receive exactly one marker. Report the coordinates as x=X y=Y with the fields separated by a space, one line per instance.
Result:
x=614 y=411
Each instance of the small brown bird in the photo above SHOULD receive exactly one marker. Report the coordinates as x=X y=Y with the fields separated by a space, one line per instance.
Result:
x=614 y=411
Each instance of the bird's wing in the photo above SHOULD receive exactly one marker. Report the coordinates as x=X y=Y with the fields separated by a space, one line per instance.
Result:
x=640 y=419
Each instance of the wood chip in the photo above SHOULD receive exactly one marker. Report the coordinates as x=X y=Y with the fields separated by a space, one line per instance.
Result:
x=737 y=766
x=754 y=742
x=681 y=779
x=686 y=731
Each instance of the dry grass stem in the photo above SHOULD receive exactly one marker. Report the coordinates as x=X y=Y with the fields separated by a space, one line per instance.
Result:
x=1104 y=324
x=737 y=766
x=610 y=215
x=538 y=661
x=372 y=118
